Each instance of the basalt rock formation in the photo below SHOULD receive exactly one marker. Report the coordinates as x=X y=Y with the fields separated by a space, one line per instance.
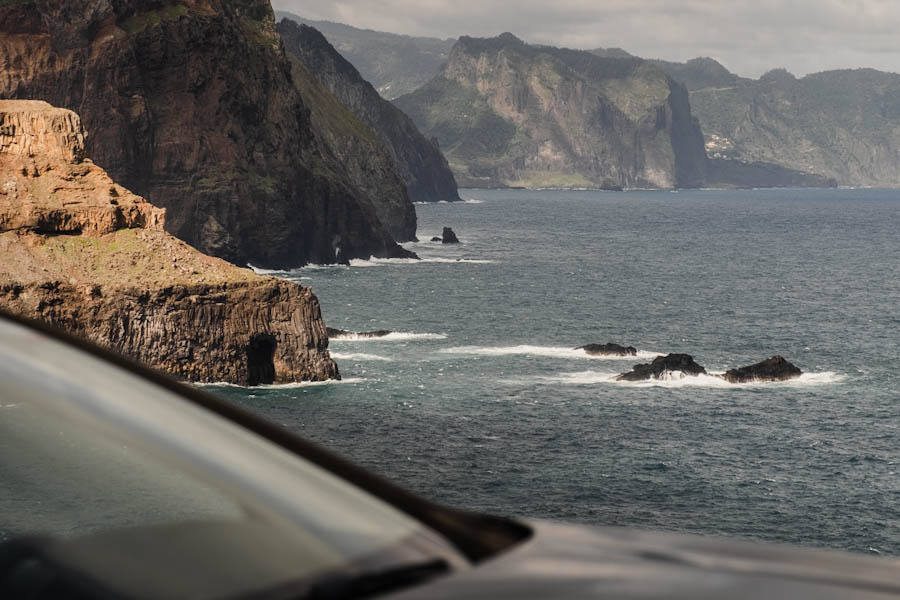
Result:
x=419 y=160
x=192 y=105
x=661 y=365
x=608 y=350
x=511 y=114
x=776 y=368
x=83 y=253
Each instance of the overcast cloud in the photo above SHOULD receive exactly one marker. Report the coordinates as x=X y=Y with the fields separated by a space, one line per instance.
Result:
x=748 y=37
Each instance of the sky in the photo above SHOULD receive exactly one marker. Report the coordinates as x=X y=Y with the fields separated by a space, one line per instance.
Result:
x=748 y=37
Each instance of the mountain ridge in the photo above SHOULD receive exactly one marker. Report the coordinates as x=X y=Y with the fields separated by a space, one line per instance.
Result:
x=512 y=114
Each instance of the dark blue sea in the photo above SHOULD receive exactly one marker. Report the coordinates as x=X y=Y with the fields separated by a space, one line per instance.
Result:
x=480 y=400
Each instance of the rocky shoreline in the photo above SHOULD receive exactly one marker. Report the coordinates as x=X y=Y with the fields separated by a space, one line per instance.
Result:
x=83 y=253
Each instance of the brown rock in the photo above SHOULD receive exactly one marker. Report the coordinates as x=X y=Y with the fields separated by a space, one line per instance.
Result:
x=85 y=254
x=192 y=105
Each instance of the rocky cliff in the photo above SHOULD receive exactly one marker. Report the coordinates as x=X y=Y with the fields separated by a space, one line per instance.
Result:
x=510 y=114
x=394 y=64
x=192 y=104
x=419 y=161
x=836 y=125
x=84 y=253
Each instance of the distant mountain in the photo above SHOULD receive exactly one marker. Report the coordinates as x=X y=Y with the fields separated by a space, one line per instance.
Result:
x=393 y=64
x=416 y=160
x=701 y=73
x=842 y=125
x=510 y=114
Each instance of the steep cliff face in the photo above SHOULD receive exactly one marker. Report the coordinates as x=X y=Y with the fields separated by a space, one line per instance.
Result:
x=192 y=104
x=841 y=125
x=510 y=114
x=394 y=64
x=84 y=253
x=419 y=161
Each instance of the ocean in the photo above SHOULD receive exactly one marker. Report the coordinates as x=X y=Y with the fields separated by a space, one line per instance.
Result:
x=481 y=401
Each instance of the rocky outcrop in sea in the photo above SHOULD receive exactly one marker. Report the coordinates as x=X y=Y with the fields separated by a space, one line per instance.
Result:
x=83 y=253
x=776 y=368
x=661 y=366
x=609 y=349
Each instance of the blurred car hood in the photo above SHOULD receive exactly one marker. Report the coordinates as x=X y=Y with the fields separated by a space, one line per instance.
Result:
x=574 y=561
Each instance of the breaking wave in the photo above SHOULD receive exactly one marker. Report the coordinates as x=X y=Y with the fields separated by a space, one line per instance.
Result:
x=359 y=356
x=283 y=386
x=545 y=351
x=680 y=380
x=394 y=336
x=378 y=262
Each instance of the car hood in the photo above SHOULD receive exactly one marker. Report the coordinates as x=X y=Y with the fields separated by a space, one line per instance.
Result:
x=570 y=561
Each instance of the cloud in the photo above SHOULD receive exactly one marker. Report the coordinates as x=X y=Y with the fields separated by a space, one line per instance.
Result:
x=749 y=37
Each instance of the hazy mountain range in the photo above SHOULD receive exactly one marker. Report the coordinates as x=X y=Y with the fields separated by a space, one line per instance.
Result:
x=836 y=125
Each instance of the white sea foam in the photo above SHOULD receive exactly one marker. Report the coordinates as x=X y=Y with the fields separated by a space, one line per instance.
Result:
x=394 y=336
x=359 y=356
x=379 y=262
x=281 y=272
x=472 y=201
x=545 y=351
x=680 y=380
x=284 y=386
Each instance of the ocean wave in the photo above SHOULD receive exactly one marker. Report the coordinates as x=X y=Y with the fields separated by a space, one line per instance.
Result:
x=279 y=272
x=283 y=386
x=680 y=380
x=473 y=201
x=379 y=262
x=545 y=351
x=359 y=356
x=394 y=336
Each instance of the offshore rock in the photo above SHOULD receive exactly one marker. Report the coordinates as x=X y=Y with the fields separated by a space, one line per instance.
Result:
x=419 y=160
x=192 y=105
x=608 y=350
x=448 y=237
x=776 y=368
x=661 y=365
x=83 y=253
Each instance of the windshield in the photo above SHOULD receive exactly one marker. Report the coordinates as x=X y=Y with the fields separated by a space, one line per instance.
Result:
x=124 y=476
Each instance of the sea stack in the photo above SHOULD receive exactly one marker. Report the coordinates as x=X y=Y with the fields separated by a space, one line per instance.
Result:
x=83 y=253
x=449 y=237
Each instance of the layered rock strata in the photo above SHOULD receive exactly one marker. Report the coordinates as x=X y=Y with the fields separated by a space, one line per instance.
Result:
x=192 y=105
x=83 y=253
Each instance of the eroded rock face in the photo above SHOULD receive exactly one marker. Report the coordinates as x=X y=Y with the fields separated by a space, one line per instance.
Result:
x=192 y=105
x=776 y=368
x=419 y=160
x=608 y=350
x=672 y=363
x=510 y=114
x=85 y=254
